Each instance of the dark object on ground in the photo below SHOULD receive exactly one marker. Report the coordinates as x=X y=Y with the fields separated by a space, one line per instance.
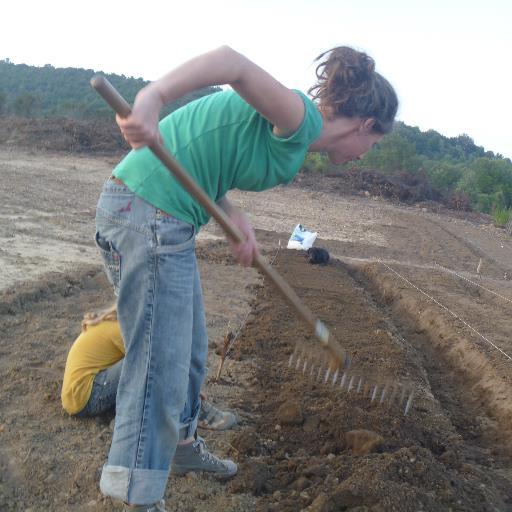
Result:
x=317 y=256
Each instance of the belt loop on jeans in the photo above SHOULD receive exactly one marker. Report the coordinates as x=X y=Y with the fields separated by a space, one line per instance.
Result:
x=117 y=181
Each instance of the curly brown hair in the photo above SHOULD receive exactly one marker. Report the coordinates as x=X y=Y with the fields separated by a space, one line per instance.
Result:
x=348 y=85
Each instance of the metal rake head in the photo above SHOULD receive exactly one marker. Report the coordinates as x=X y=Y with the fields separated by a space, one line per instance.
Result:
x=321 y=368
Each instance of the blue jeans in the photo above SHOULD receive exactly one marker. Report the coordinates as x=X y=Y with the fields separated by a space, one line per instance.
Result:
x=103 y=399
x=150 y=261
x=103 y=393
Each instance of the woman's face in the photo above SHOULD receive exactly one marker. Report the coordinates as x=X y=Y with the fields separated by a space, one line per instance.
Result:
x=346 y=138
x=352 y=146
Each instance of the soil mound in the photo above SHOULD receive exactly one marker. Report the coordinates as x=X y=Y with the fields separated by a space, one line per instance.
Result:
x=62 y=134
x=399 y=187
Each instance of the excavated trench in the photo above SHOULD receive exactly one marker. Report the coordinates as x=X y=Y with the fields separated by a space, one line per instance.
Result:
x=472 y=389
x=451 y=452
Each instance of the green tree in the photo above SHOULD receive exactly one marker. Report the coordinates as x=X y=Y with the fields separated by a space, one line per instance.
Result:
x=445 y=175
x=25 y=105
x=394 y=153
x=3 y=103
x=492 y=175
x=67 y=91
x=488 y=183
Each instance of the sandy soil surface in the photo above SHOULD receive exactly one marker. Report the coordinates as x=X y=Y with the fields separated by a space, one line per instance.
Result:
x=401 y=294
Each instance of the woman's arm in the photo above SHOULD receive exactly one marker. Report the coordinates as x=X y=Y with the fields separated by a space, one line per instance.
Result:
x=243 y=252
x=282 y=107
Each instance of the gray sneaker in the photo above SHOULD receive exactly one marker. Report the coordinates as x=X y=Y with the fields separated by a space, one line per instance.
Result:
x=156 y=507
x=195 y=456
x=214 y=419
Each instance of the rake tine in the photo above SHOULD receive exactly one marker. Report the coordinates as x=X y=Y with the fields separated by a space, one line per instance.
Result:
x=319 y=370
x=409 y=403
x=301 y=359
x=384 y=389
x=292 y=357
x=351 y=383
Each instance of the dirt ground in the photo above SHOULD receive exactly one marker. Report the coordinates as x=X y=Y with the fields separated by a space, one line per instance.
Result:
x=390 y=295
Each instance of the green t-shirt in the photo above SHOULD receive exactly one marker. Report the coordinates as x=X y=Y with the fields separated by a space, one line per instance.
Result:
x=223 y=143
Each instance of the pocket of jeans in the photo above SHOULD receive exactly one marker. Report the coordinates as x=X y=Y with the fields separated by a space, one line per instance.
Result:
x=111 y=260
x=173 y=235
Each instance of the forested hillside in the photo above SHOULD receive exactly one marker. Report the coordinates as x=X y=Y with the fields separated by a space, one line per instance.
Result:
x=452 y=165
x=454 y=169
x=29 y=91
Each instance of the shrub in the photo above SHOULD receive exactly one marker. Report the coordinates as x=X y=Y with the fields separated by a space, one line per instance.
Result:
x=501 y=216
x=316 y=162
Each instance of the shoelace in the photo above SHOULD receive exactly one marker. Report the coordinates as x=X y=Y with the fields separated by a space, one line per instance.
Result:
x=160 y=506
x=206 y=456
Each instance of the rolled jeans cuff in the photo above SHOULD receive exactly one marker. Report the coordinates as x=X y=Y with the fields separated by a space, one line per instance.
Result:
x=133 y=486
x=187 y=430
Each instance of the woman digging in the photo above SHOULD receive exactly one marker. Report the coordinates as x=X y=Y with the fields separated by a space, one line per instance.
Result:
x=252 y=137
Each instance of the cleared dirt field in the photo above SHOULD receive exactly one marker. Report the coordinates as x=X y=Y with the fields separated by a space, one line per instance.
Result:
x=401 y=293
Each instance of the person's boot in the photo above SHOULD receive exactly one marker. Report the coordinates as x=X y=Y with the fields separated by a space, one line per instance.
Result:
x=214 y=419
x=195 y=457
x=155 y=507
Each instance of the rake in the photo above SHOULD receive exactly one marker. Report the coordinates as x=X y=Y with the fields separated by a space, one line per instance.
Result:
x=334 y=358
x=379 y=391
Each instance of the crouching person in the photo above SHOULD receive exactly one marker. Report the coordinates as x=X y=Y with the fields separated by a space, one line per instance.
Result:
x=91 y=377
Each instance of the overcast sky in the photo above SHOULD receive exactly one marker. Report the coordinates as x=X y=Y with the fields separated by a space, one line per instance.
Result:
x=449 y=60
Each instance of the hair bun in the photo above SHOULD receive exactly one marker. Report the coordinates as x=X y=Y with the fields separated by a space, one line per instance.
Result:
x=347 y=84
x=350 y=69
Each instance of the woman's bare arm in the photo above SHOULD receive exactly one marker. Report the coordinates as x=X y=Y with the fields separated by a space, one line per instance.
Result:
x=281 y=106
x=243 y=252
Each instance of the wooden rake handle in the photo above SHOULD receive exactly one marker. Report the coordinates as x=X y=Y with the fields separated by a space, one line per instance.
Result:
x=123 y=109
